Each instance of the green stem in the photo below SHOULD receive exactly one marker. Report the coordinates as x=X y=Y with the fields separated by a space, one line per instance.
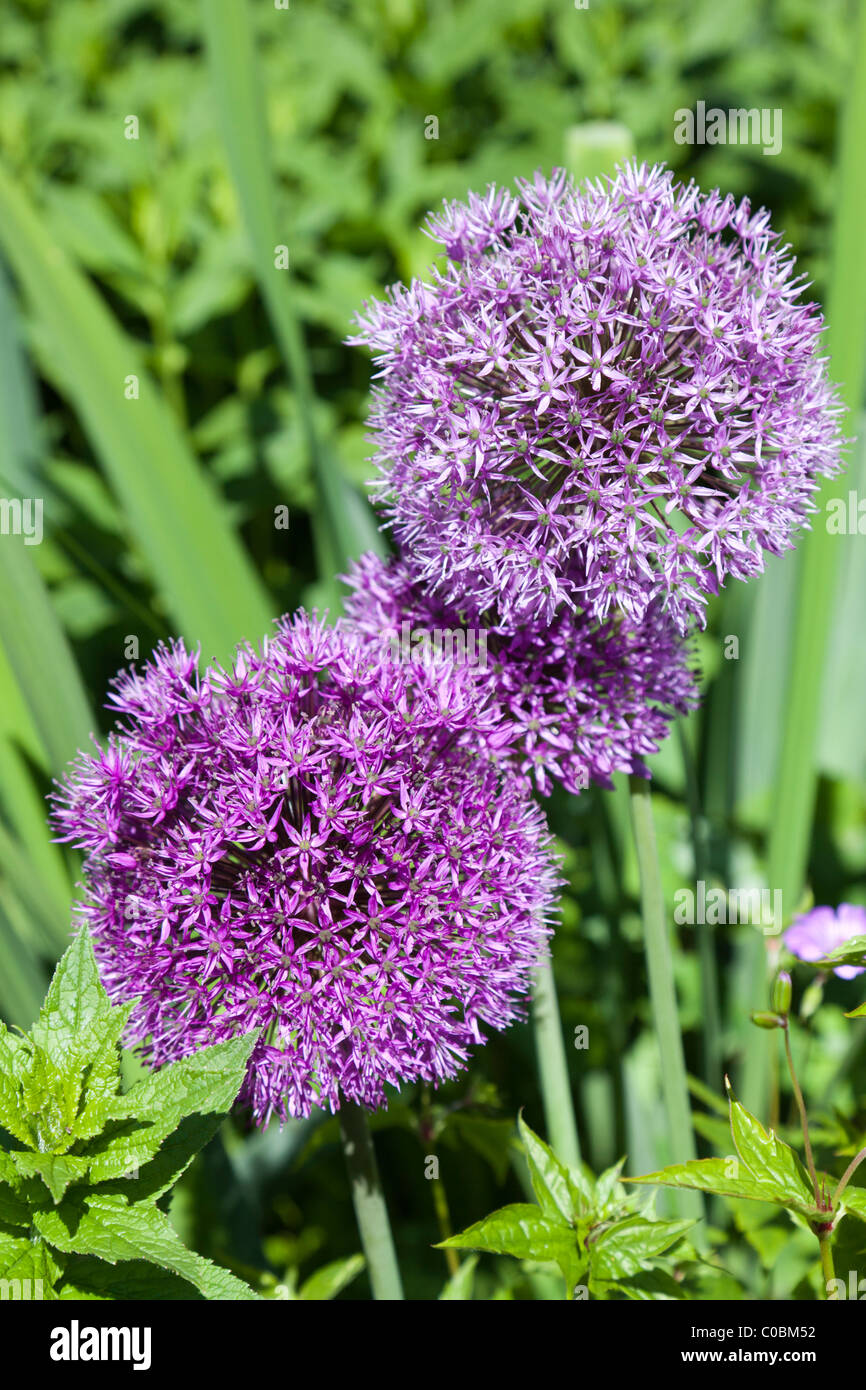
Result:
x=657 y=948
x=803 y=1119
x=440 y=1197
x=370 y=1209
x=606 y=870
x=553 y=1068
x=443 y=1220
x=826 y=1262
x=710 y=1016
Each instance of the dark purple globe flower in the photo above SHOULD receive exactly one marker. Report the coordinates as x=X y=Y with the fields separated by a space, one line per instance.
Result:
x=317 y=843
x=580 y=700
x=620 y=372
x=814 y=935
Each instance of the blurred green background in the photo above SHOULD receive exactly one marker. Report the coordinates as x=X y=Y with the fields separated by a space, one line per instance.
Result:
x=166 y=390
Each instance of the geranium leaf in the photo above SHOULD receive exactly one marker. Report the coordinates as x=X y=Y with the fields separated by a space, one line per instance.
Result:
x=725 y=1177
x=520 y=1230
x=551 y=1180
x=528 y=1234
x=853 y=1202
x=771 y=1161
x=625 y=1248
x=850 y=952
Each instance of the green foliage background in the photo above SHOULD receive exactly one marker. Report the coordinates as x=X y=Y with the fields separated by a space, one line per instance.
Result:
x=305 y=127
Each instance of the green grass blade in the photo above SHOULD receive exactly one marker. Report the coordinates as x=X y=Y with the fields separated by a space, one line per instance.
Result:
x=237 y=85
x=842 y=742
x=39 y=655
x=202 y=572
x=18 y=409
x=22 y=979
x=51 y=926
x=553 y=1067
x=37 y=730
x=794 y=798
x=34 y=646
x=846 y=340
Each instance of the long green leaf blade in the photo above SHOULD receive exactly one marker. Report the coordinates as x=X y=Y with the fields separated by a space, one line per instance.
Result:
x=204 y=575
x=346 y=518
x=820 y=558
x=821 y=554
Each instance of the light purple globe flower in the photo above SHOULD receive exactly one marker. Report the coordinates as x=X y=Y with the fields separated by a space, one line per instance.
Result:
x=318 y=844
x=580 y=700
x=621 y=373
x=814 y=935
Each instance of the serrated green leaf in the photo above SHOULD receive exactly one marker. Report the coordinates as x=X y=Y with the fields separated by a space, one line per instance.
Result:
x=608 y=1189
x=56 y=1171
x=49 y=1097
x=623 y=1249
x=75 y=1006
x=114 y=1230
x=132 y=1280
x=12 y=1247
x=712 y=1175
x=460 y=1285
x=528 y=1234
x=331 y=1279
x=551 y=1181
x=769 y=1159
x=14 y=1210
x=101 y=1079
x=647 y=1285
x=31 y=1263
x=12 y=1116
x=209 y=1080
x=851 y=952
x=127 y=1156
x=853 y=1201
x=60 y=1088
x=163 y=1121
x=520 y=1230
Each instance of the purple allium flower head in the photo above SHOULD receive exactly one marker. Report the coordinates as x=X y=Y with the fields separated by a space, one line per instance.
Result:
x=620 y=371
x=814 y=935
x=580 y=700
x=316 y=843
